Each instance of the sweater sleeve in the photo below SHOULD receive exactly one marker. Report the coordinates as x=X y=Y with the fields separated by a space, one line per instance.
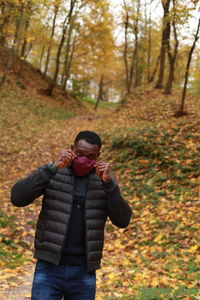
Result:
x=26 y=190
x=119 y=211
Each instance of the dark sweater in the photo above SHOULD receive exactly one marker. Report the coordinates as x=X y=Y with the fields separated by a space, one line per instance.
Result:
x=74 y=248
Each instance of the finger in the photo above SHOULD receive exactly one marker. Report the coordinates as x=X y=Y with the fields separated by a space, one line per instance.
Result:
x=101 y=163
x=103 y=167
x=64 y=152
x=68 y=154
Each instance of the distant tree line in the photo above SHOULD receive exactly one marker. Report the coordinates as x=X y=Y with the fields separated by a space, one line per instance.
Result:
x=74 y=45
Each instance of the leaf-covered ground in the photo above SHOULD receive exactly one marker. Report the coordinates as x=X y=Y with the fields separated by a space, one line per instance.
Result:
x=155 y=158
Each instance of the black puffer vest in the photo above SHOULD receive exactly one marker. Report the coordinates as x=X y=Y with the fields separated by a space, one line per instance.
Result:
x=55 y=215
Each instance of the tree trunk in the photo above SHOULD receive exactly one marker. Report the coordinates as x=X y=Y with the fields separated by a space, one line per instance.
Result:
x=68 y=56
x=65 y=27
x=172 y=57
x=18 y=27
x=51 y=38
x=23 y=50
x=126 y=49
x=136 y=46
x=196 y=37
x=149 y=51
x=8 y=65
x=134 y=62
x=27 y=23
x=165 y=37
x=41 y=57
x=3 y=23
x=155 y=70
x=100 y=93
x=68 y=67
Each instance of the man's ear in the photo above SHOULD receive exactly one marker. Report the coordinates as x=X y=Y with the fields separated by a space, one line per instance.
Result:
x=99 y=154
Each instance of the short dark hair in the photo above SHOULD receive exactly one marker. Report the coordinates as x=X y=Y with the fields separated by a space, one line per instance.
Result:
x=90 y=137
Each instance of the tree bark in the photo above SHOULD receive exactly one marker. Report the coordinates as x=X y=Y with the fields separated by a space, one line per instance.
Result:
x=4 y=22
x=68 y=65
x=100 y=93
x=155 y=70
x=8 y=65
x=65 y=27
x=172 y=56
x=23 y=50
x=51 y=39
x=148 y=31
x=134 y=62
x=68 y=55
x=135 y=56
x=182 y=104
x=165 y=37
x=27 y=23
x=18 y=27
x=126 y=48
x=42 y=56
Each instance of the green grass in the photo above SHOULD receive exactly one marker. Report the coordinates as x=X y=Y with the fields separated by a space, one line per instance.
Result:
x=19 y=106
x=103 y=104
x=158 y=169
x=160 y=294
x=170 y=169
x=8 y=248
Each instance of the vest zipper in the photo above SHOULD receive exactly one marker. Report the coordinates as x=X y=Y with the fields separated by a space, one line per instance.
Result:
x=67 y=225
x=85 y=217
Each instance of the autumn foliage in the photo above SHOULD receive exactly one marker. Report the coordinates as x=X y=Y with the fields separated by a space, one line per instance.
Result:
x=56 y=58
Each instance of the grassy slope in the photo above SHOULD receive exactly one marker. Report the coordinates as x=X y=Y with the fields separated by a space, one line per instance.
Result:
x=156 y=157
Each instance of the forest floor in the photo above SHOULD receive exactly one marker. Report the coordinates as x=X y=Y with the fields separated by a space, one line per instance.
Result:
x=155 y=158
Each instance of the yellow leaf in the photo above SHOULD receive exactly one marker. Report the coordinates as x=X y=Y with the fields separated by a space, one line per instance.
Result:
x=158 y=238
x=154 y=282
x=193 y=248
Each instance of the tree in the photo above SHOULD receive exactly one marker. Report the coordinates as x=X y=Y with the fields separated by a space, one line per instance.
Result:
x=94 y=58
x=56 y=8
x=181 y=111
x=5 y=15
x=126 y=24
x=131 y=25
x=69 y=53
x=172 y=55
x=8 y=18
x=65 y=25
x=99 y=93
x=164 y=43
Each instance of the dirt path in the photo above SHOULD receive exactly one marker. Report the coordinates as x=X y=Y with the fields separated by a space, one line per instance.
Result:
x=22 y=283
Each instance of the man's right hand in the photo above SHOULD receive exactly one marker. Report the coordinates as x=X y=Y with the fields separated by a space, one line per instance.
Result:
x=64 y=159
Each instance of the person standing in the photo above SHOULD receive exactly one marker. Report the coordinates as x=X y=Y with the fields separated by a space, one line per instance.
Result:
x=79 y=193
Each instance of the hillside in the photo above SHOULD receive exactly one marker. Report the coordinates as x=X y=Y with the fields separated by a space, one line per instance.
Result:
x=155 y=158
x=30 y=84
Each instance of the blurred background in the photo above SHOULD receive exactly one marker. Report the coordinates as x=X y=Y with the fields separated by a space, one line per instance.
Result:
x=129 y=70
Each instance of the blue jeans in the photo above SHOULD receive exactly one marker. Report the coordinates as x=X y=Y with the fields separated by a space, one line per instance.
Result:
x=52 y=282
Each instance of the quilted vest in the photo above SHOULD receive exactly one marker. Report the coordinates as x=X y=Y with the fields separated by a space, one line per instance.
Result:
x=55 y=215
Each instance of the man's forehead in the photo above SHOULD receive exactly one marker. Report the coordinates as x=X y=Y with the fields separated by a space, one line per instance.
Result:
x=85 y=146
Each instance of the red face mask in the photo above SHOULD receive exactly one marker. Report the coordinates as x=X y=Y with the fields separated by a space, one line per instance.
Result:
x=83 y=165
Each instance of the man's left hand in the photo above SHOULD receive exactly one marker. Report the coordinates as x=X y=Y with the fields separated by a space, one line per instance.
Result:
x=103 y=171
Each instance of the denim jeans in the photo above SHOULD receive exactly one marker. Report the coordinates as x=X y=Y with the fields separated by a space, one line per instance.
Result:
x=52 y=282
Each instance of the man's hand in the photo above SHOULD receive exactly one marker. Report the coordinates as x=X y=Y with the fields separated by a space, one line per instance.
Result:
x=103 y=171
x=64 y=159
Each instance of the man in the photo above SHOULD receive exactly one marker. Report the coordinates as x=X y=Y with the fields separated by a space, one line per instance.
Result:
x=79 y=192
